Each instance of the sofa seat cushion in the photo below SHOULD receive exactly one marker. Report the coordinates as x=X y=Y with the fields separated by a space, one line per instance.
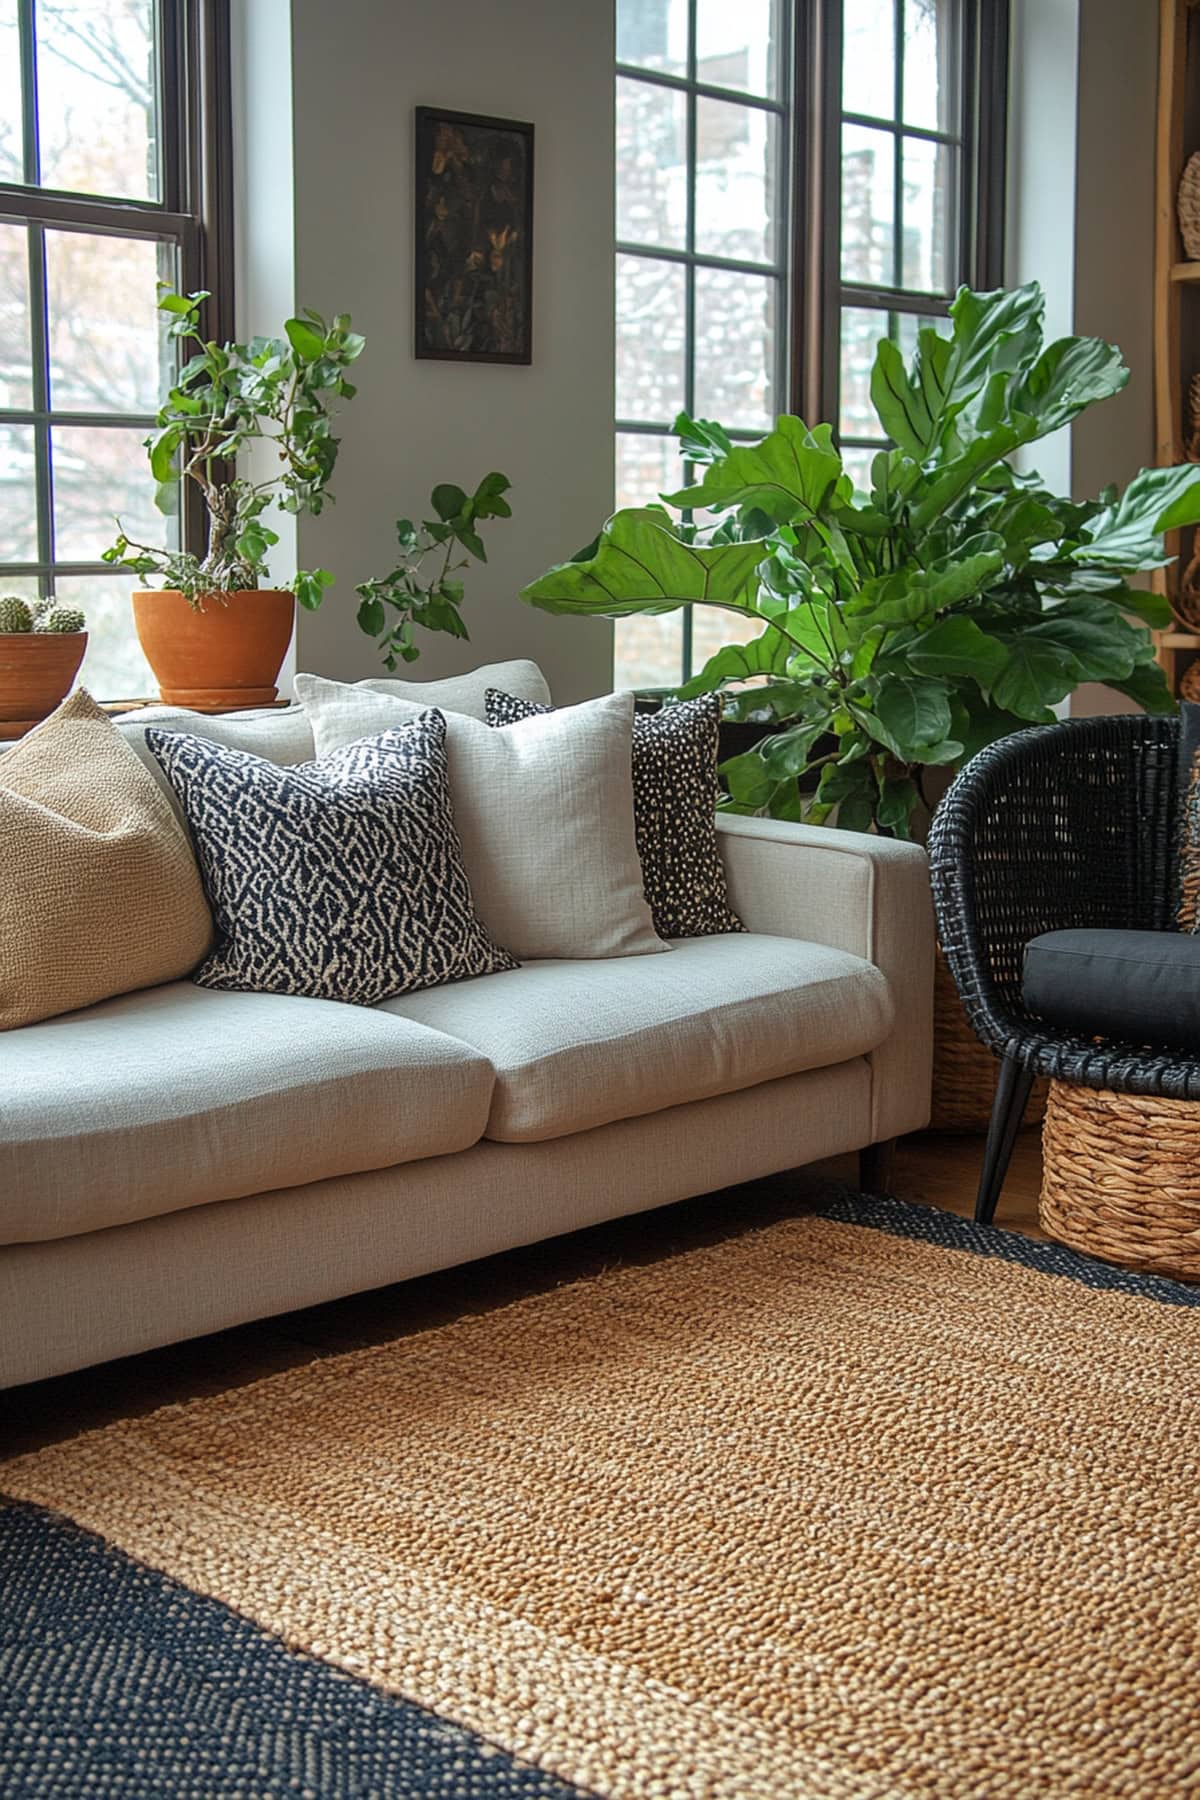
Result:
x=1142 y=987
x=183 y=1095
x=579 y=1044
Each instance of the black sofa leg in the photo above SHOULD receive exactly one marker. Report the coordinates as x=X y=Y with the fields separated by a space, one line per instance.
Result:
x=875 y=1167
x=1008 y=1109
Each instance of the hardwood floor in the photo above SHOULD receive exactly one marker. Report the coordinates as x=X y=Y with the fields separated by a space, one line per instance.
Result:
x=930 y=1169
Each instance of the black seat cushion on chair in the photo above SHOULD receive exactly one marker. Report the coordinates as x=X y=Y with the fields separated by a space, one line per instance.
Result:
x=1140 y=986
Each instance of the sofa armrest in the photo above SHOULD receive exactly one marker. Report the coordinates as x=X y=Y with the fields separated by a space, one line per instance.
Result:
x=867 y=895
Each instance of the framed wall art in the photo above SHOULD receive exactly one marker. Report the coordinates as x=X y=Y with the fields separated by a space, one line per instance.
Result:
x=474 y=238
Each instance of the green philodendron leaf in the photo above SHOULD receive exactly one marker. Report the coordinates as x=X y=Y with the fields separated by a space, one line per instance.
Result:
x=1103 y=644
x=914 y=595
x=947 y=484
x=642 y=566
x=909 y=716
x=372 y=617
x=898 y=800
x=751 y=786
x=308 y=344
x=1128 y=535
x=765 y=655
x=787 y=753
x=956 y=646
x=1146 y=684
x=1037 y=675
x=792 y=474
x=1069 y=376
x=447 y=500
x=701 y=440
x=309 y=587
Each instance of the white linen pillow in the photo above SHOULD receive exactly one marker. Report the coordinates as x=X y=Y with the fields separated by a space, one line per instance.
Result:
x=467 y=693
x=544 y=811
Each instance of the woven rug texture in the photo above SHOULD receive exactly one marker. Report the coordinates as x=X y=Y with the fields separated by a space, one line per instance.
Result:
x=819 y=1512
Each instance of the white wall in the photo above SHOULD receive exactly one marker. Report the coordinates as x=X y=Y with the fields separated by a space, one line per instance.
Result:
x=1081 y=221
x=358 y=70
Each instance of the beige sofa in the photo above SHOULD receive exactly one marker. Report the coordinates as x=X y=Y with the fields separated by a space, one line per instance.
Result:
x=180 y=1160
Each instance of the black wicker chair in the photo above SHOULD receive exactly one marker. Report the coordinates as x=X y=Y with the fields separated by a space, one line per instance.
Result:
x=1061 y=826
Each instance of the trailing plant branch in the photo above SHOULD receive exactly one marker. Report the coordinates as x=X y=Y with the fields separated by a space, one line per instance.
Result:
x=392 y=606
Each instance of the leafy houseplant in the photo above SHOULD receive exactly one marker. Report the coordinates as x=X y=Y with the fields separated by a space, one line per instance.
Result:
x=905 y=628
x=41 y=648
x=212 y=632
x=391 y=605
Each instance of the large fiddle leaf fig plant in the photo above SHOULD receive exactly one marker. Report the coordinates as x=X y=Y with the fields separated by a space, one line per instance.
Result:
x=903 y=628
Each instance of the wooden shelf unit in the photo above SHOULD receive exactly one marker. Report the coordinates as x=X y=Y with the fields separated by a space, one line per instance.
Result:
x=1176 y=298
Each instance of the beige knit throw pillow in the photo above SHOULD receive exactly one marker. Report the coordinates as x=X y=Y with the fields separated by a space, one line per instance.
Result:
x=99 y=890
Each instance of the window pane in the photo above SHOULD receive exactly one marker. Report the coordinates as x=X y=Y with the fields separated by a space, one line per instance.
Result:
x=869 y=58
x=862 y=329
x=648 y=652
x=909 y=325
x=857 y=461
x=931 y=64
x=650 y=339
x=735 y=348
x=16 y=385
x=928 y=212
x=868 y=212
x=647 y=467
x=101 y=475
x=97 y=111
x=18 y=495
x=113 y=666
x=651 y=165
x=653 y=34
x=738 y=46
x=11 y=130
x=737 y=174
x=108 y=344
x=712 y=627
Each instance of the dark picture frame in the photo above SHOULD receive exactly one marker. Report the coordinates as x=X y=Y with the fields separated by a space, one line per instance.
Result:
x=473 y=299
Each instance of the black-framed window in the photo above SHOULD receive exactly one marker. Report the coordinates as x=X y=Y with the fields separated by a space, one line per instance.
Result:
x=881 y=182
x=703 y=115
x=114 y=174
x=916 y=214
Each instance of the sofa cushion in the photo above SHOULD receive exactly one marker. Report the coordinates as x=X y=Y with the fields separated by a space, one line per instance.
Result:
x=674 y=811
x=578 y=1044
x=99 y=891
x=340 y=879
x=1142 y=987
x=544 y=811
x=182 y=1095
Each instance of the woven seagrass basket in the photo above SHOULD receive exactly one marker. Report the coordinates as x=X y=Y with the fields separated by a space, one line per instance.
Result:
x=1188 y=207
x=964 y=1070
x=1121 y=1178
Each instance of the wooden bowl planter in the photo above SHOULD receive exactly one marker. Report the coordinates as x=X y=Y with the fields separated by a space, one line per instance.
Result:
x=224 y=656
x=37 y=669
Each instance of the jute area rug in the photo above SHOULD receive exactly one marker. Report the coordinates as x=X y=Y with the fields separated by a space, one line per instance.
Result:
x=849 y=1507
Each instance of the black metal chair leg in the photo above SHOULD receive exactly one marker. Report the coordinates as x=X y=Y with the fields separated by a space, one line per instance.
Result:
x=1008 y=1109
x=875 y=1167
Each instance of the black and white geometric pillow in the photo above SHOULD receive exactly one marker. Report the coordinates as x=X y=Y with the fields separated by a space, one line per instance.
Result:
x=674 y=811
x=341 y=879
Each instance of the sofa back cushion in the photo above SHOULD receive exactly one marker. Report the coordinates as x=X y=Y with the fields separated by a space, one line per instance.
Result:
x=99 y=891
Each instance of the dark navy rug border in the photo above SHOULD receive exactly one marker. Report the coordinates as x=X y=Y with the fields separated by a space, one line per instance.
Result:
x=118 y=1683
x=903 y=1218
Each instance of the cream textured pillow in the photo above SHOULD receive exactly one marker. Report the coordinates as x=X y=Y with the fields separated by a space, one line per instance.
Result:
x=467 y=693
x=544 y=810
x=99 y=890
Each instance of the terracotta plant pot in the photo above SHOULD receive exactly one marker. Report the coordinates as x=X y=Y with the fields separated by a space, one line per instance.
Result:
x=227 y=655
x=36 y=671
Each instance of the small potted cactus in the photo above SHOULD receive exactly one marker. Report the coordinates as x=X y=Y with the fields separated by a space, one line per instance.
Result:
x=41 y=648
